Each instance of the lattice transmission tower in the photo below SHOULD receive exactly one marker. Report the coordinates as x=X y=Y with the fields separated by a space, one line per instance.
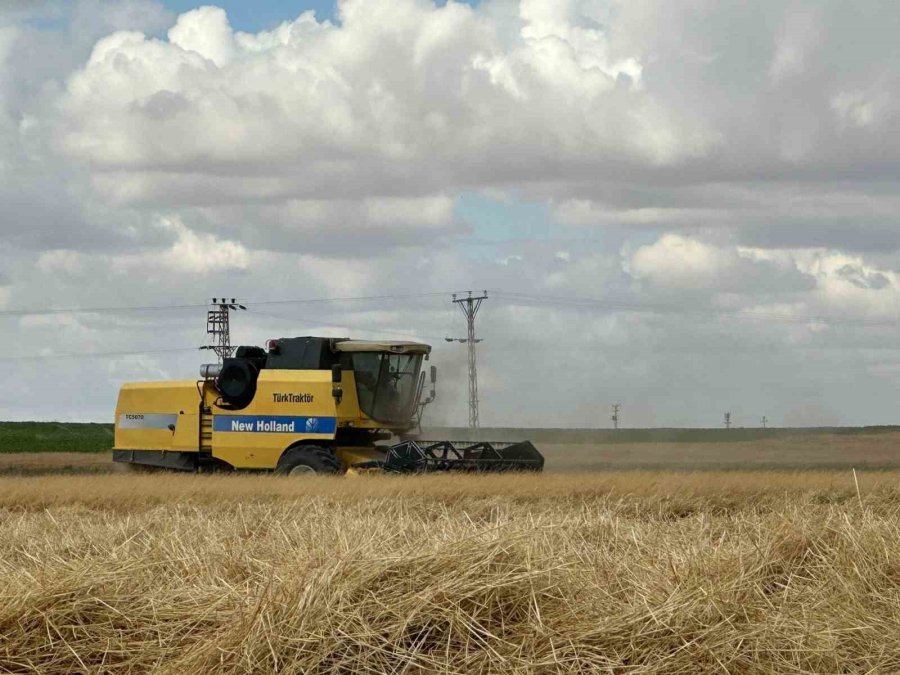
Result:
x=470 y=306
x=218 y=326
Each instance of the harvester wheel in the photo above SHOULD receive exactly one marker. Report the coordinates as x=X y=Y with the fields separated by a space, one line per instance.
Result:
x=308 y=460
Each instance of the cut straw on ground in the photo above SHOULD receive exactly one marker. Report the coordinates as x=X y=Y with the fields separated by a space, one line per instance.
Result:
x=620 y=573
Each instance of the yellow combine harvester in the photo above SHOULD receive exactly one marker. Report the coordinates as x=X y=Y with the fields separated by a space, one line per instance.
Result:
x=302 y=405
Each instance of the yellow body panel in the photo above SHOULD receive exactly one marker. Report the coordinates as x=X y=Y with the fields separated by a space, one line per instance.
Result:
x=289 y=406
x=287 y=400
x=145 y=411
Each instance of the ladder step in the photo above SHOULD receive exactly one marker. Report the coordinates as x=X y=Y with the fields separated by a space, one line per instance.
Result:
x=206 y=430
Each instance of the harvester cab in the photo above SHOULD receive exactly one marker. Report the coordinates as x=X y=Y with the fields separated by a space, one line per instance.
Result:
x=301 y=405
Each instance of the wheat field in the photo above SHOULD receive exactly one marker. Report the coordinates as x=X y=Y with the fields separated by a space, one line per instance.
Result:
x=872 y=449
x=629 y=572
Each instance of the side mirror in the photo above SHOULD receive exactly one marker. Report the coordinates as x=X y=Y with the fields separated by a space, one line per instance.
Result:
x=336 y=390
x=433 y=374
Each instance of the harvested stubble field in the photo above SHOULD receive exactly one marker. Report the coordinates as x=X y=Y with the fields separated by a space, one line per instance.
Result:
x=791 y=451
x=796 y=450
x=628 y=572
x=24 y=463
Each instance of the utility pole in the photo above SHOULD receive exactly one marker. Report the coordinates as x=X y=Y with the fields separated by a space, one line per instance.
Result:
x=615 y=415
x=217 y=326
x=764 y=421
x=728 y=420
x=470 y=306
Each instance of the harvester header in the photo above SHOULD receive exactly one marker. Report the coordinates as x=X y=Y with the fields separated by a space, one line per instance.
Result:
x=301 y=405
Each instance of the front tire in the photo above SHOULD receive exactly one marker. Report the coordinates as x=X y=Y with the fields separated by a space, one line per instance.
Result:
x=307 y=460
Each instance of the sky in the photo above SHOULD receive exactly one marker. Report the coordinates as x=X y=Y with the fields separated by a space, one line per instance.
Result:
x=685 y=208
x=252 y=17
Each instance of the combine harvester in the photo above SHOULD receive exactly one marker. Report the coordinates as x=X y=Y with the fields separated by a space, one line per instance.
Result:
x=303 y=405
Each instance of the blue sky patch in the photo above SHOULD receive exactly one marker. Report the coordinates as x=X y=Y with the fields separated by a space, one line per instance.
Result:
x=252 y=17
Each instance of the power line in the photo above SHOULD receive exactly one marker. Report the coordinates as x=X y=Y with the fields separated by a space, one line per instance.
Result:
x=396 y=296
x=88 y=355
x=94 y=310
x=568 y=301
x=85 y=355
x=524 y=299
x=149 y=308
x=323 y=323
x=576 y=302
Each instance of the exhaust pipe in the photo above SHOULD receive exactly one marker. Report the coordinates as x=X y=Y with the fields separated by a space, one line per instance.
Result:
x=210 y=371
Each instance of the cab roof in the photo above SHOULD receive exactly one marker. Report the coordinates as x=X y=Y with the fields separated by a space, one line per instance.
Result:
x=397 y=347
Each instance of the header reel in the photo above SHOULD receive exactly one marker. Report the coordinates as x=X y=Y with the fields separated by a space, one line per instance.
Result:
x=466 y=457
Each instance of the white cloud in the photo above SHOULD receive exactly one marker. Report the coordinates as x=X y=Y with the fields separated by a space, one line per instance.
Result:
x=58 y=322
x=678 y=262
x=587 y=212
x=206 y=31
x=691 y=158
x=203 y=253
x=401 y=96
x=848 y=286
x=674 y=260
x=573 y=101
x=853 y=109
x=414 y=212
x=8 y=36
x=191 y=253
x=138 y=367
x=336 y=276
x=60 y=260
x=800 y=35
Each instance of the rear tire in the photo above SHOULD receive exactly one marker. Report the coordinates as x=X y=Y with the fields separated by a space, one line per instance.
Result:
x=308 y=460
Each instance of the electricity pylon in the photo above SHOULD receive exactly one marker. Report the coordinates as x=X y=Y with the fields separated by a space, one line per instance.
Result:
x=470 y=306
x=218 y=326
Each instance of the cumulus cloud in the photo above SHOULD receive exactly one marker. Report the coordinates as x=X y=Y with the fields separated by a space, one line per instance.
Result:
x=406 y=90
x=690 y=164
x=60 y=261
x=207 y=32
x=190 y=254
x=676 y=262
x=578 y=102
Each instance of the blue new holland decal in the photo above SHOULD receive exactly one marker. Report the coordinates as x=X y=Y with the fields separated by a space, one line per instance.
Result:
x=275 y=424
